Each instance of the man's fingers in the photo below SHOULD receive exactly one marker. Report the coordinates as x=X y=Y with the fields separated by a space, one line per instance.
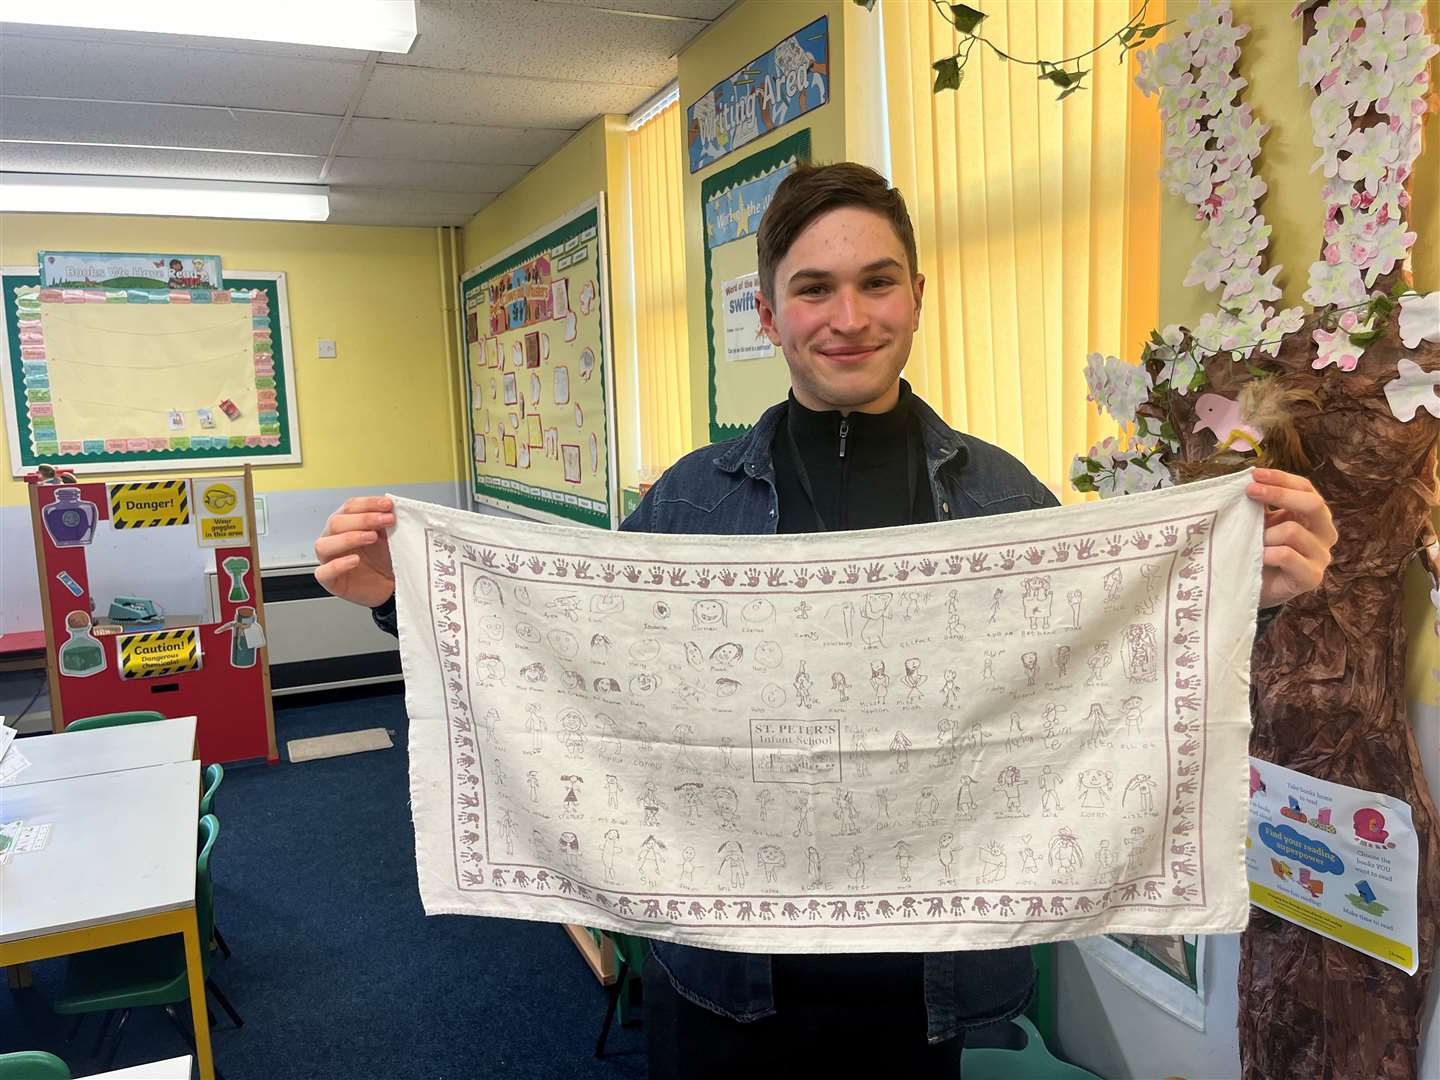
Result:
x=368 y=522
x=1294 y=535
x=1280 y=478
x=1304 y=505
x=329 y=574
x=333 y=547
x=367 y=504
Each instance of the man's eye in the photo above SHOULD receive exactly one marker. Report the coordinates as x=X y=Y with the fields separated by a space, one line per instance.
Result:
x=881 y=283
x=812 y=290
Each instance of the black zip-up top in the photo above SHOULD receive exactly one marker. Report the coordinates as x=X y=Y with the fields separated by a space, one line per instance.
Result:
x=861 y=471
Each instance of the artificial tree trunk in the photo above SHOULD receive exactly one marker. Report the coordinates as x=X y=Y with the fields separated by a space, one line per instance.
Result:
x=1328 y=686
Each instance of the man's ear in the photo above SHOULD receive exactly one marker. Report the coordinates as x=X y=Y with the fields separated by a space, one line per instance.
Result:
x=919 y=287
x=767 y=317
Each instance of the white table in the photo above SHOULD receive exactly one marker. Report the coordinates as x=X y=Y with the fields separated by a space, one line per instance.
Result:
x=103 y=750
x=172 y=1069
x=119 y=866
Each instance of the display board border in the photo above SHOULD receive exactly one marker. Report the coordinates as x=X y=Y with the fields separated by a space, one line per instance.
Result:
x=17 y=424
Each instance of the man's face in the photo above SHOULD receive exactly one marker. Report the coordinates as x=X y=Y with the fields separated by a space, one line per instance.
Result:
x=844 y=311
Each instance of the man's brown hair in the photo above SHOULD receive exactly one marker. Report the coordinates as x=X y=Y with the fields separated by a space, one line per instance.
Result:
x=810 y=191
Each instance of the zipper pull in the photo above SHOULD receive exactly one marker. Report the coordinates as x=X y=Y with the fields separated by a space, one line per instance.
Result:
x=844 y=430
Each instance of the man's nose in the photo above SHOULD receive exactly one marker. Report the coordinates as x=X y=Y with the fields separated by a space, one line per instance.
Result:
x=848 y=316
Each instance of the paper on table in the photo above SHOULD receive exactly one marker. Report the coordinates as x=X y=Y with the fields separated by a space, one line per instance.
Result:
x=963 y=735
x=13 y=764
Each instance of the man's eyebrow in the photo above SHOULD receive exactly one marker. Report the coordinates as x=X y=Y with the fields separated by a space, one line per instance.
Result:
x=868 y=268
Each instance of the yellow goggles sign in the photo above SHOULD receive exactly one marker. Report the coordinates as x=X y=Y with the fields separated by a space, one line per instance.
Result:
x=149 y=504
x=156 y=653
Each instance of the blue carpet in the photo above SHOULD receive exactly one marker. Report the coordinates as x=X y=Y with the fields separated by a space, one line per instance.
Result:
x=336 y=970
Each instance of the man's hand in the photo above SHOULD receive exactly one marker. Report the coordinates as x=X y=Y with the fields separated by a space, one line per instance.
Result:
x=355 y=552
x=1298 y=535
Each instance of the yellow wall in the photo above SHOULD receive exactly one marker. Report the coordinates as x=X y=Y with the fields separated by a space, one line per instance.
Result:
x=743 y=33
x=592 y=161
x=379 y=414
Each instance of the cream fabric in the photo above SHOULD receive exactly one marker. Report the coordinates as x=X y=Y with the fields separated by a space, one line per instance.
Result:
x=964 y=735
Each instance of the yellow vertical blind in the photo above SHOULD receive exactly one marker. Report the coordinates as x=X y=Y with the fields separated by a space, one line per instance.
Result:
x=657 y=272
x=1037 y=220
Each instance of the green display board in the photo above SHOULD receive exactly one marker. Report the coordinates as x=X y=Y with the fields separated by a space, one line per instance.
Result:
x=746 y=374
x=538 y=375
x=97 y=379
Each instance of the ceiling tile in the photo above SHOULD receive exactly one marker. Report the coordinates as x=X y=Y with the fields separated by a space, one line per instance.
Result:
x=409 y=93
x=699 y=10
x=451 y=142
x=69 y=68
x=521 y=37
x=128 y=161
x=424 y=175
x=166 y=125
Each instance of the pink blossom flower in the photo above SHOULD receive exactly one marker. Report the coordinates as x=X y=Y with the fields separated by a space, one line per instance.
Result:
x=1335 y=348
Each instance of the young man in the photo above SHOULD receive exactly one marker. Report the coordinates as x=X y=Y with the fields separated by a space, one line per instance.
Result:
x=851 y=448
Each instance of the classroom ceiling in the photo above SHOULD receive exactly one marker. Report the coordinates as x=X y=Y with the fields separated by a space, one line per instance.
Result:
x=489 y=90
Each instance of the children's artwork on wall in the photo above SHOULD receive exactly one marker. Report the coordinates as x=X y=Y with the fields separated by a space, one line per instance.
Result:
x=548 y=324
x=734 y=200
x=96 y=378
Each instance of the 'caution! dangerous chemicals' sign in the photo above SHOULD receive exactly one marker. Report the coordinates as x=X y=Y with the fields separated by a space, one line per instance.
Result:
x=156 y=653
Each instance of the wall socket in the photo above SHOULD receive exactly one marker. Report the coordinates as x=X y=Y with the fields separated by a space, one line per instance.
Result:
x=325 y=350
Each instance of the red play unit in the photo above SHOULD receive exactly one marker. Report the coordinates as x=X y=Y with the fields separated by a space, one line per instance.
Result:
x=217 y=672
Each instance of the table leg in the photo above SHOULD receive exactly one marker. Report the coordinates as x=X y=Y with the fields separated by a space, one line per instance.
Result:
x=195 y=967
x=18 y=976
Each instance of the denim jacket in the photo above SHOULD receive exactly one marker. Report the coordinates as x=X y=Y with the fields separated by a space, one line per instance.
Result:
x=729 y=488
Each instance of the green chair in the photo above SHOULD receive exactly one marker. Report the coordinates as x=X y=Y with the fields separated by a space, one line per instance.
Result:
x=631 y=953
x=32 y=1065
x=147 y=973
x=214 y=774
x=1033 y=1062
x=114 y=719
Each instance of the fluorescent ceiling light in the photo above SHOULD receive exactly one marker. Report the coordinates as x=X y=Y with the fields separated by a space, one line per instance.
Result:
x=373 y=25
x=69 y=194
